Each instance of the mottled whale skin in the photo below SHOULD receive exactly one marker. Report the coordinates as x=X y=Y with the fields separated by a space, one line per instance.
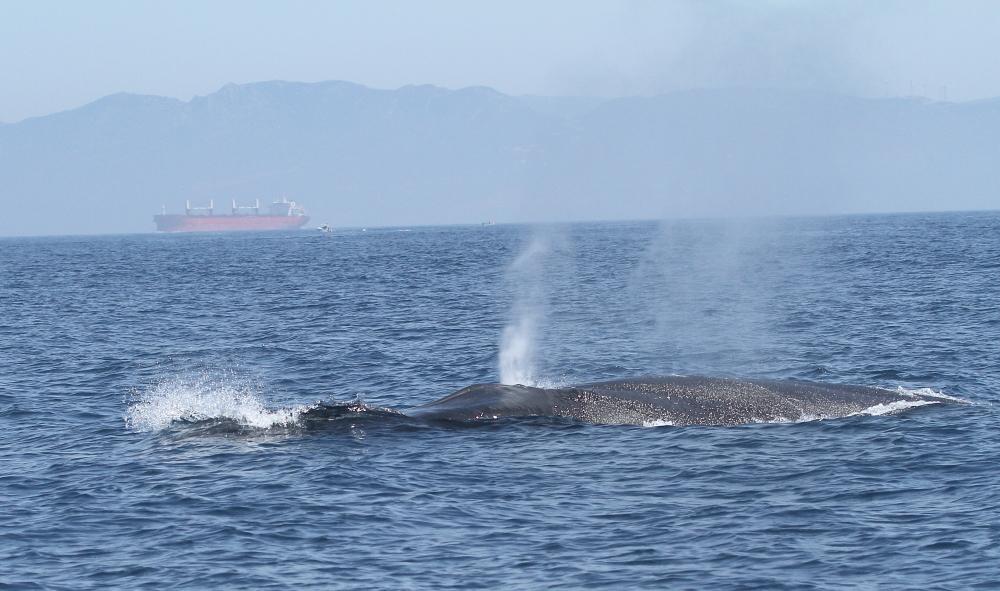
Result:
x=677 y=400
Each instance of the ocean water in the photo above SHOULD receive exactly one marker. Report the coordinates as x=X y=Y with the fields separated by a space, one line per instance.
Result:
x=156 y=431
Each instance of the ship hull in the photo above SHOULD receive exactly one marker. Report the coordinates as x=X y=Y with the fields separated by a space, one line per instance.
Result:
x=228 y=223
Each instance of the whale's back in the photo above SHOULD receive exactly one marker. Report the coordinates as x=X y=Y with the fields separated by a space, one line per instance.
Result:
x=676 y=400
x=490 y=401
x=684 y=400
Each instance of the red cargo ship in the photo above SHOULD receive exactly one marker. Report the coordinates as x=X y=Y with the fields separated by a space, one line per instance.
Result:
x=282 y=215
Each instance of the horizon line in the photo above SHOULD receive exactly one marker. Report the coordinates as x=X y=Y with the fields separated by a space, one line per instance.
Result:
x=650 y=220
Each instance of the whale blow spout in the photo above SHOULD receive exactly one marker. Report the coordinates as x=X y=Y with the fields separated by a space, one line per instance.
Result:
x=673 y=400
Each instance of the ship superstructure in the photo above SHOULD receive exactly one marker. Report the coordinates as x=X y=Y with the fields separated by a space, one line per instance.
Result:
x=281 y=215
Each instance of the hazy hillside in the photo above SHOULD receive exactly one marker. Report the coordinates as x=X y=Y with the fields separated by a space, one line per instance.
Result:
x=421 y=154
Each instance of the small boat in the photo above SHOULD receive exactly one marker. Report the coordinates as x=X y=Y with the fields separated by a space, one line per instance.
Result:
x=325 y=228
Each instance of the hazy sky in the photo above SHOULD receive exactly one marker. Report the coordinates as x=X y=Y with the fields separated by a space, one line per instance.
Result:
x=58 y=55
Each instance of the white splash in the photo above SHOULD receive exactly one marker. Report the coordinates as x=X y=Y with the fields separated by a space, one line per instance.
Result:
x=930 y=392
x=657 y=423
x=911 y=401
x=200 y=398
x=893 y=407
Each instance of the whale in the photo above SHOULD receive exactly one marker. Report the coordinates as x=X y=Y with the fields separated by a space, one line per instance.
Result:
x=674 y=400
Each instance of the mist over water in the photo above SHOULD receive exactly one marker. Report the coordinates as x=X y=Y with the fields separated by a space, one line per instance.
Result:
x=519 y=338
x=692 y=292
x=517 y=349
x=709 y=288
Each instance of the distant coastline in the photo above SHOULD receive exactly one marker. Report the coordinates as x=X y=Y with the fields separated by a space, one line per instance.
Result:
x=420 y=155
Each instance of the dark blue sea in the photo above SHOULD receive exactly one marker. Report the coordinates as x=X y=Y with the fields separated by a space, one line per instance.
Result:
x=153 y=389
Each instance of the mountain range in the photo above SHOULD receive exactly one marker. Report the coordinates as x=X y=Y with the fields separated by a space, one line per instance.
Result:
x=358 y=156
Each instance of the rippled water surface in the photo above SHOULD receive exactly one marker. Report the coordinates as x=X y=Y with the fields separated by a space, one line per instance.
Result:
x=155 y=396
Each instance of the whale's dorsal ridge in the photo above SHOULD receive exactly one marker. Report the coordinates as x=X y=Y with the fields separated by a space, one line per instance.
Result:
x=675 y=400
